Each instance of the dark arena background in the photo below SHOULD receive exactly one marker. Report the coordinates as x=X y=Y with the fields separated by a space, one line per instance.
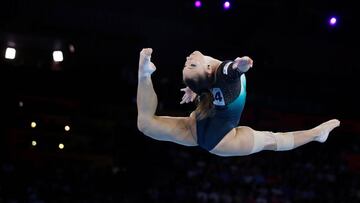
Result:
x=68 y=100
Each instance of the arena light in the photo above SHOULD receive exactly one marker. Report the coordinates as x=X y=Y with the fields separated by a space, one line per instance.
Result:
x=71 y=48
x=58 y=56
x=10 y=53
x=61 y=146
x=67 y=128
x=226 y=5
x=33 y=143
x=197 y=4
x=33 y=124
x=332 y=21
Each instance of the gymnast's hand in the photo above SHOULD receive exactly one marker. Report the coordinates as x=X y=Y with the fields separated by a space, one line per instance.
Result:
x=243 y=64
x=189 y=95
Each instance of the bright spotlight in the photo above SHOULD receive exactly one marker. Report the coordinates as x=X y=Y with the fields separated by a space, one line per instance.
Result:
x=33 y=124
x=61 y=146
x=33 y=143
x=67 y=128
x=58 y=56
x=332 y=21
x=226 y=5
x=197 y=4
x=10 y=53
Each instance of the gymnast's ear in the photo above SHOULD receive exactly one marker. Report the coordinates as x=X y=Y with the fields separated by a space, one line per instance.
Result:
x=208 y=68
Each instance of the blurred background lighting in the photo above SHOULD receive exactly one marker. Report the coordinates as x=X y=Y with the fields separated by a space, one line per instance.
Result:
x=33 y=143
x=226 y=5
x=10 y=53
x=58 y=56
x=332 y=21
x=67 y=128
x=197 y=4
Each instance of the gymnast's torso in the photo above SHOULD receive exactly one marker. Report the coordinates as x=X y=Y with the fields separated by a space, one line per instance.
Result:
x=229 y=93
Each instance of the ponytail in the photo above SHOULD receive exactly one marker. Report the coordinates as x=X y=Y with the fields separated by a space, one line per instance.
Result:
x=205 y=106
x=204 y=100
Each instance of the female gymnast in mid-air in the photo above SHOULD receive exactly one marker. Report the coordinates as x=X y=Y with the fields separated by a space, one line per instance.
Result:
x=219 y=88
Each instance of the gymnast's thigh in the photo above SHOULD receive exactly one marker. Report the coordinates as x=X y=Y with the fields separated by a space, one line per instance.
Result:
x=181 y=130
x=237 y=142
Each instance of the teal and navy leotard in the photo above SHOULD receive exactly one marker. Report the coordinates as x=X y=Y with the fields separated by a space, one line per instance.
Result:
x=229 y=92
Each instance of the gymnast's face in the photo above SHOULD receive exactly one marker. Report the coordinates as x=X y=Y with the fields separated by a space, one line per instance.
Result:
x=195 y=66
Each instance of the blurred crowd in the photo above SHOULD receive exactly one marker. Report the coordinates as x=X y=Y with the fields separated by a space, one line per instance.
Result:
x=166 y=172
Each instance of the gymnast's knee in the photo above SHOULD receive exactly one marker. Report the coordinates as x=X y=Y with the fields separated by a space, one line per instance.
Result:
x=144 y=123
x=266 y=140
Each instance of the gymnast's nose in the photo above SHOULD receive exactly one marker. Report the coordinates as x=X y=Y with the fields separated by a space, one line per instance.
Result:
x=196 y=52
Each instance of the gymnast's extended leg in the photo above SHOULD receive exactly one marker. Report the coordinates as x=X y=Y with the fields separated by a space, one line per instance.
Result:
x=180 y=130
x=244 y=140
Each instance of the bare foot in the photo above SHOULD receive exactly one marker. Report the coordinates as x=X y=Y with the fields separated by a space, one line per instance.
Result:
x=146 y=67
x=325 y=129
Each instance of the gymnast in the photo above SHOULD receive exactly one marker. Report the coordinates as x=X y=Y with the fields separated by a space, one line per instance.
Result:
x=219 y=89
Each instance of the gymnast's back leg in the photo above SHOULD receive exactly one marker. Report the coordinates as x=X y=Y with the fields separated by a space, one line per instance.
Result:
x=180 y=130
